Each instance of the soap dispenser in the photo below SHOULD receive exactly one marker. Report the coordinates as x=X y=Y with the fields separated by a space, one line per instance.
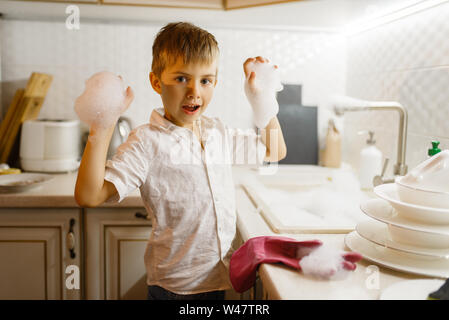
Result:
x=434 y=150
x=370 y=163
x=332 y=153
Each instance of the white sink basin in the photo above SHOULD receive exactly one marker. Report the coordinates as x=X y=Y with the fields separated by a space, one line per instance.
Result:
x=308 y=199
x=296 y=176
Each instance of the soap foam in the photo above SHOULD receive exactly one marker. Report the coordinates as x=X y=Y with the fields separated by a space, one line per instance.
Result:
x=325 y=263
x=267 y=76
x=102 y=101
x=306 y=208
x=263 y=102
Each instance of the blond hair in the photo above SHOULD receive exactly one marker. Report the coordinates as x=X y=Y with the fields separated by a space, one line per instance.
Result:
x=182 y=40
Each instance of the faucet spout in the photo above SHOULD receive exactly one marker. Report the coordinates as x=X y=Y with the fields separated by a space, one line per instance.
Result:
x=347 y=104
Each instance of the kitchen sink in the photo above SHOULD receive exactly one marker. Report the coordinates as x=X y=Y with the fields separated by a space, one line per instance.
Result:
x=308 y=199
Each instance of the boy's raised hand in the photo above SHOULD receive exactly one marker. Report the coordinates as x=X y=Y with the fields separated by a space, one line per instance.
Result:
x=261 y=83
x=250 y=75
x=103 y=101
x=129 y=97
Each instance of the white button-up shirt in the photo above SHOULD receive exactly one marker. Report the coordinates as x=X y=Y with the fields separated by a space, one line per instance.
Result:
x=189 y=194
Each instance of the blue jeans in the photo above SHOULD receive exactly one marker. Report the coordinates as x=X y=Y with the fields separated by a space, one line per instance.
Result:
x=159 y=293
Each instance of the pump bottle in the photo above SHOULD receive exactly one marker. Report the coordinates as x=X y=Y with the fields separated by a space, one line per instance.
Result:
x=332 y=153
x=370 y=163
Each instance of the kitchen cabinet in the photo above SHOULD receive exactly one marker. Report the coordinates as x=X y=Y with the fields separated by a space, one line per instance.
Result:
x=37 y=248
x=68 y=1
x=196 y=4
x=238 y=4
x=116 y=239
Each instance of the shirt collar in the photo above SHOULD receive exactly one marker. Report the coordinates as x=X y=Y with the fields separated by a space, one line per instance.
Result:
x=157 y=118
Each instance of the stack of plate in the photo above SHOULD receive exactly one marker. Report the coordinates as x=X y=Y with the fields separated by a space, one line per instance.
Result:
x=410 y=227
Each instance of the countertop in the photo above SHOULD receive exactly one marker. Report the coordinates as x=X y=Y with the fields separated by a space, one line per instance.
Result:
x=58 y=192
x=281 y=282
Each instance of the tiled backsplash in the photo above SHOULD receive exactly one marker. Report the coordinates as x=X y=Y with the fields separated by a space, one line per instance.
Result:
x=314 y=59
x=406 y=60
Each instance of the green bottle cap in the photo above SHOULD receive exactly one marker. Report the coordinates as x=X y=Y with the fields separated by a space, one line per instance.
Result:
x=434 y=149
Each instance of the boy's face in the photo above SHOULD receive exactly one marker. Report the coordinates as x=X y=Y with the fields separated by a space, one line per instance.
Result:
x=186 y=90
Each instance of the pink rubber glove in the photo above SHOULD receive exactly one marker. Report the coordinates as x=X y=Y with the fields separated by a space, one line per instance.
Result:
x=273 y=249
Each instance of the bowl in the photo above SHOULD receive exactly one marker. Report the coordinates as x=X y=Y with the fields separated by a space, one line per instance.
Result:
x=428 y=183
x=422 y=197
x=418 y=238
x=422 y=214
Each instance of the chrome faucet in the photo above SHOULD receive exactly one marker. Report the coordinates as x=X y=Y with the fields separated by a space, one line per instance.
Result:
x=346 y=104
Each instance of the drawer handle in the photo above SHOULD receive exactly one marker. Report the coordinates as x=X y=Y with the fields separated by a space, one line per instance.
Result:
x=71 y=239
x=141 y=215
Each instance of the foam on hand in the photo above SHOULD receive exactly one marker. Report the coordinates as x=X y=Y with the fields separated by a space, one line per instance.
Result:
x=267 y=82
x=324 y=263
x=102 y=101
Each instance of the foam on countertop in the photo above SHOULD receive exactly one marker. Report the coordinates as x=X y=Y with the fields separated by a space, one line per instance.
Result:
x=324 y=263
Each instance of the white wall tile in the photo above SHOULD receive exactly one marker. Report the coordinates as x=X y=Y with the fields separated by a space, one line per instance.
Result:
x=406 y=60
x=314 y=59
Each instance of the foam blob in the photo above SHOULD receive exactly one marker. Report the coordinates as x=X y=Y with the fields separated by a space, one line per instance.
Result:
x=102 y=101
x=267 y=76
x=305 y=207
x=324 y=262
x=267 y=82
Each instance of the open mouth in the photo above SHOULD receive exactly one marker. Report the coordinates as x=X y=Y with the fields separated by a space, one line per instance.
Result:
x=190 y=109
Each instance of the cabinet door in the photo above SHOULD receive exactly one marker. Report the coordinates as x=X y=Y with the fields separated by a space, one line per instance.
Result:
x=236 y=4
x=200 y=4
x=125 y=269
x=34 y=254
x=68 y=1
x=116 y=239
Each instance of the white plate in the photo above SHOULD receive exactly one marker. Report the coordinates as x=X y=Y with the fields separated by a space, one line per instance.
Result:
x=378 y=233
x=10 y=183
x=411 y=289
x=381 y=210
x=397 y=260
x=423 y=214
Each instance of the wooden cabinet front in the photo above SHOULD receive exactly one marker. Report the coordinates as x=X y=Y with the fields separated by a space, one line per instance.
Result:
x=116 y=239
x=35 y=254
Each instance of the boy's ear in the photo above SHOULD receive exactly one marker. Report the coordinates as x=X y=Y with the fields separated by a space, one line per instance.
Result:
x=155 y=82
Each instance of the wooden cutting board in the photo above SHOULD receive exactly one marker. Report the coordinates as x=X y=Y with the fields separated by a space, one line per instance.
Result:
x=25 y=105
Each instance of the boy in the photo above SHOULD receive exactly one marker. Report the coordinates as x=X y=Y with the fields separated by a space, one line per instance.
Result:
x=189 y=197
